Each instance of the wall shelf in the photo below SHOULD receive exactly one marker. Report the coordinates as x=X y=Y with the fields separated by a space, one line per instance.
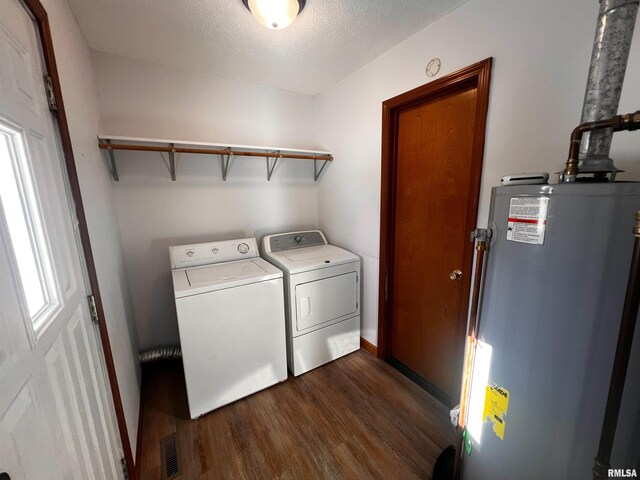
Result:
x=225 y=152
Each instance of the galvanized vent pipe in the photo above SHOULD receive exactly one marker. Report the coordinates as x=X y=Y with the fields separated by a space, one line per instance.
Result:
x=614 y=31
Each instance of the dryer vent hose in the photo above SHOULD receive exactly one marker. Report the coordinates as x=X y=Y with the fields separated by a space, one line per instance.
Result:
x=160 y=353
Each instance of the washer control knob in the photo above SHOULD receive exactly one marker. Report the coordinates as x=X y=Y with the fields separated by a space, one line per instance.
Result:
x=298 y=238
x=243 y=248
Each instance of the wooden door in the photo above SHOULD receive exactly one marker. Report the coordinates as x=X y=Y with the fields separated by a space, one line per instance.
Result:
x=56 y=416
x=434 y=166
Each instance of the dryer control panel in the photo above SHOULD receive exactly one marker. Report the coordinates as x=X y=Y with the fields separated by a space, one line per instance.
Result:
x=196 y=254
x=291 y=240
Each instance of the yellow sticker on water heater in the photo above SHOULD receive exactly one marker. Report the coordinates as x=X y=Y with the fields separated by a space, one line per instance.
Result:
x=496 y=405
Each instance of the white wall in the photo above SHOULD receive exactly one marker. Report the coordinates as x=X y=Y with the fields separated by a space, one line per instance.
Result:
x=146 y=100
x=79 y=92
x=541 y=55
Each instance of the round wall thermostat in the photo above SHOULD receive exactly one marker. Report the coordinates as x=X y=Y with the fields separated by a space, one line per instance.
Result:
x=433 y=67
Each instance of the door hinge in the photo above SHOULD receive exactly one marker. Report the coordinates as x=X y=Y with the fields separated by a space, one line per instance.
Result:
x=92 y=308
x=125 y=470
x=51 y=96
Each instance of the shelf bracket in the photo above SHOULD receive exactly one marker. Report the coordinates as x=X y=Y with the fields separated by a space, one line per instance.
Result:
x=316 y=172
x=271 y=166
x=172 y=162
x=112 y=162
x=224 y=163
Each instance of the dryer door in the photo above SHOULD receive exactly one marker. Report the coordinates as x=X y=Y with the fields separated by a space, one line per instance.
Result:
x=322 y=301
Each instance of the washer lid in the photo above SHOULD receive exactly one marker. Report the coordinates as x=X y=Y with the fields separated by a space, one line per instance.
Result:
x=209 y=278
x=311 y=258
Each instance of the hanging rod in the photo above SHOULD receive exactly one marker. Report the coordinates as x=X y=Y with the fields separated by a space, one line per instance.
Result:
x=225 y=153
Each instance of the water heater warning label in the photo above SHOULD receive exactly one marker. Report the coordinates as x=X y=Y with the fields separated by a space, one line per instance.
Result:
x=527 y=219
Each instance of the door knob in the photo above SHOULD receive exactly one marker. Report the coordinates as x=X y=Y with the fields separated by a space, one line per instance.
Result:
x=455 y=275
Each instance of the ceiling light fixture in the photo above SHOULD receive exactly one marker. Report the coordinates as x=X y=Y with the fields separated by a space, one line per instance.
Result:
x=275 y=14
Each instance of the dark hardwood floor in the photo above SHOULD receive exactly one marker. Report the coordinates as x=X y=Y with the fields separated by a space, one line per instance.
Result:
x=356 y=417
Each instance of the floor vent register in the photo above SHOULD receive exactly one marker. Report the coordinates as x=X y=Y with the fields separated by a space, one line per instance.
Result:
x=171 y=465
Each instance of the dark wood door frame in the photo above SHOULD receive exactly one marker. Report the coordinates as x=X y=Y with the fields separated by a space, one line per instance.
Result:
x=476 y=75
x=41 y=18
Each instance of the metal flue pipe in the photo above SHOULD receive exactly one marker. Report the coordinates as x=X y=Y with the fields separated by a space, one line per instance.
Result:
x=614 y=31
x=616 y=22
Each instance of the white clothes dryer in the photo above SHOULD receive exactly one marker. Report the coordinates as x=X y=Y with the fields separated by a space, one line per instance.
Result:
x=230 y=307
x=322 y=295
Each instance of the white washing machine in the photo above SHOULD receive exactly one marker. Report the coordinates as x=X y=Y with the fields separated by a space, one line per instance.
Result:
x=230 y=306
x=322 y=295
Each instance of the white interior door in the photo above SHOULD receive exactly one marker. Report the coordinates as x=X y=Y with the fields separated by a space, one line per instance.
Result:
x=56 y=417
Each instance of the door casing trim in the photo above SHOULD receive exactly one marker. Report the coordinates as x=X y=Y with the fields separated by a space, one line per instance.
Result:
x=41 y=18
x=478 y=75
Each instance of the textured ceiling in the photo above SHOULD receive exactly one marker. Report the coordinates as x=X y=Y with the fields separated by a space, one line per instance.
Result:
x=329 y=39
